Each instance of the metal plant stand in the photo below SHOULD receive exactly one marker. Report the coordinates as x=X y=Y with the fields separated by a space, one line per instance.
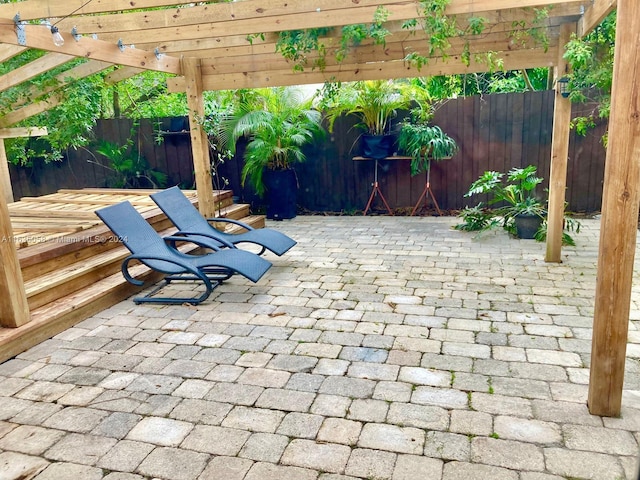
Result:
x=376 y=191
x=426 y=193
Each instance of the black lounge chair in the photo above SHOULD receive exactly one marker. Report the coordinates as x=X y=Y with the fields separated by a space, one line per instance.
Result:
x=191 y=223
x=160 y=254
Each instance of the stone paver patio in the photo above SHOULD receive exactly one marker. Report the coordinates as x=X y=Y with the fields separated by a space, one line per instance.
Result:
x=377 y=348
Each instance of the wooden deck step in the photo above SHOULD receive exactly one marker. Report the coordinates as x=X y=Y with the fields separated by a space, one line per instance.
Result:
x=75 y=274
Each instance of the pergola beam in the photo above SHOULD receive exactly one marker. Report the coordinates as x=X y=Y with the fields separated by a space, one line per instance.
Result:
x=36 y=9
x=30 y=110
x=270 y=16
x=260 y=17
x=33 y=69
x=366 y=71
x=68 y=76
x=9 y=51
x=393 y=49
x=39 y=36
x=594 y=14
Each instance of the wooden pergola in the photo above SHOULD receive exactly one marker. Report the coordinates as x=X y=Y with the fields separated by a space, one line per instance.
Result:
x=207 y=47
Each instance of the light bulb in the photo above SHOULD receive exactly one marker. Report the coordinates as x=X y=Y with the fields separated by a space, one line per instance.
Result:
x=58 y=40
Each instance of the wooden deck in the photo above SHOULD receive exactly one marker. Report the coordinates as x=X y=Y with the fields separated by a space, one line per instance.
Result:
x=71 y=261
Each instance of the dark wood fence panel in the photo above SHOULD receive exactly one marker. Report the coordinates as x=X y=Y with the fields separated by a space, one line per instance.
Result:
x=494 y=132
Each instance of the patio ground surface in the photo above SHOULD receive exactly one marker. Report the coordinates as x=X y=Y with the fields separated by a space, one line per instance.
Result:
x=377 y=348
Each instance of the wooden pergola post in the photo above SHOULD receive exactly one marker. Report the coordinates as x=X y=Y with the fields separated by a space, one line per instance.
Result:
x=14 y=310
x=559 y=155
x=199 y=142
x=5 y=177
x=619 y=223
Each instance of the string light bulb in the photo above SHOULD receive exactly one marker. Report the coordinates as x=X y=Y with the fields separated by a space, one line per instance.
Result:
x=58 y=39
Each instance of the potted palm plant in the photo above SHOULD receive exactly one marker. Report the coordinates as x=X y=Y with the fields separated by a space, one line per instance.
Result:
x=277 y=124
x=375 y=103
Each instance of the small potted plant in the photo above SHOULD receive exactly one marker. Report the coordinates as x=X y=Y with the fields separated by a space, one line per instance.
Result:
x=375 y=103
x=521 y=213
x=277 y=124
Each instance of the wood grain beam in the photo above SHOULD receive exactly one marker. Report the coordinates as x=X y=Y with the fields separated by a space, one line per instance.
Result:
x=14 y=309
x=236 y=45
x=80 y=71
x=9 y=51
x=619 y=222
x=33 y=69
x=29 y=111
x=121 y=74
x=394 y=49
x=367 y=71
x=39 y=36
x=199 y=140
x=559 y=155
x=36 y=9
x=23 y=132
x=266 y=12
x=240 y=18
x=594 y=14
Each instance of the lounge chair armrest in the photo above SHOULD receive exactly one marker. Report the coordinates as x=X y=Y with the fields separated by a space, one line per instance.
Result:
x=142 y=257
x=221 y=241
x=230 y=220
x=185 y=237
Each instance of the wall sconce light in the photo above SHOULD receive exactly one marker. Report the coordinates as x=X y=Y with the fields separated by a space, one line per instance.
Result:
x=563 y=84
x=58 y=40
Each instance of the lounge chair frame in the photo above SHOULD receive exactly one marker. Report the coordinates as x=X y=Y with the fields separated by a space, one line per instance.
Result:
x=162 y=255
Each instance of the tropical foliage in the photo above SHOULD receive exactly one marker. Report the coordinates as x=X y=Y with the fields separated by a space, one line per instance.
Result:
x=514 y=195
x=591 y=60
x=374 y=102
x=276 y=123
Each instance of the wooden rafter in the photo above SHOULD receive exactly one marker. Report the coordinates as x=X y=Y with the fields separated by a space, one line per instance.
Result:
x=33 y=69
x=36 y=9
x=30 y=110
x=39 y=36
x=9 y=51
x=594 y=14
x=393 y=50
x=236 y=45
x=366 y=71
x=80 y=71
x=239 y=19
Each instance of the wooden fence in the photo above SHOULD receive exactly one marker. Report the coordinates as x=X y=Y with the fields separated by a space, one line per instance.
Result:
x=494 y=132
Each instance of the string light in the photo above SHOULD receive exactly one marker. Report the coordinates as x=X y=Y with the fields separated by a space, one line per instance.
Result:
x=58 y=39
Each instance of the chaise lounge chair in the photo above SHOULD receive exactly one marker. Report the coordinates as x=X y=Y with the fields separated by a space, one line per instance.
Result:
x=191 y=223
x=161 y=255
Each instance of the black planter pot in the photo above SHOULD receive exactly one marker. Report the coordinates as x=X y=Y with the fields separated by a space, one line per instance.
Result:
x=282 y=193
x=377 y=146
x=527 y=225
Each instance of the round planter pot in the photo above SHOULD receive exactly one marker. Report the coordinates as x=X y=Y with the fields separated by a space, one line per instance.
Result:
x=527 y=226
x=377 y=146
x=281 y=193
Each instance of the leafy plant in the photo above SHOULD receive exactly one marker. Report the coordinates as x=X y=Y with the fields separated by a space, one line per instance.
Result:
x=476 y=218
x=424 y=143
x=129 y=168
x=516 y=196
x=591 y=77
x=277 y=123
x=374 y=102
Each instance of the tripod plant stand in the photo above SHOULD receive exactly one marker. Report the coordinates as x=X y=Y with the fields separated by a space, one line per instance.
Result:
x=427 y=192
x=376 y=191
